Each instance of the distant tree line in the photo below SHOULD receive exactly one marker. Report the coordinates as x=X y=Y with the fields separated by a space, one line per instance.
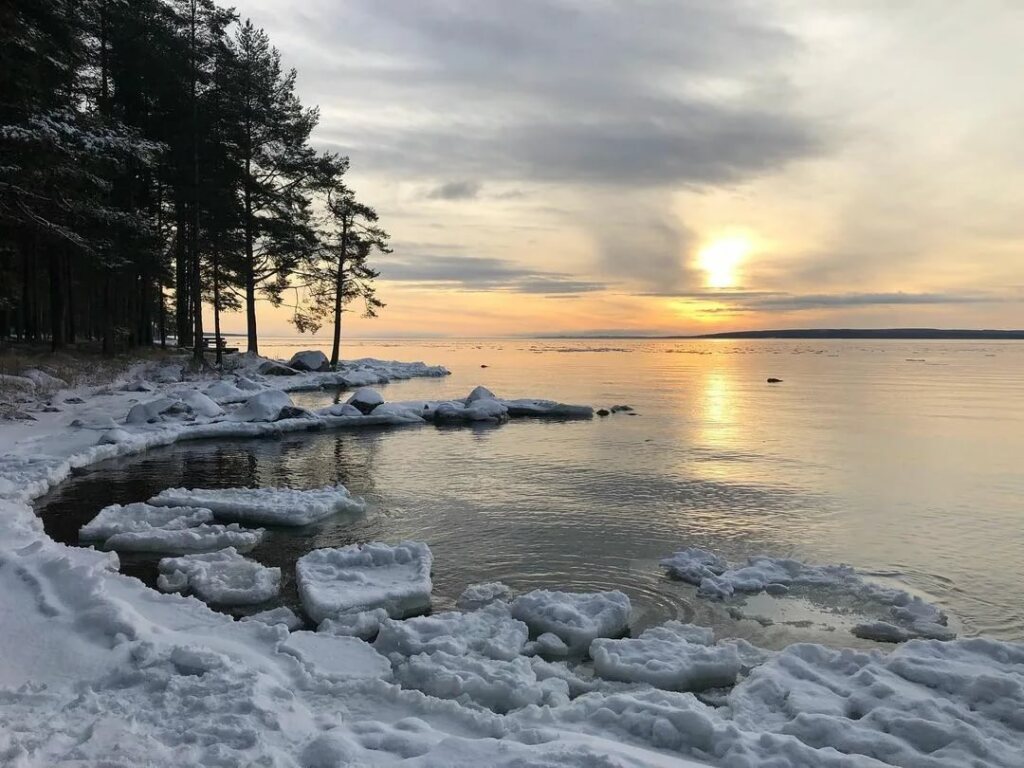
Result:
x=155 y=158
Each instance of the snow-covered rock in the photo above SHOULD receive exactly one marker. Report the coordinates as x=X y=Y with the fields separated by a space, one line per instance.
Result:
x=200 y=404
x=44 y=380
x=362 y=624
x=477 y=596
x=263 y=406
x=264 y=506
x=479 y=410
x=223 y=578
x=480 y=393
x=676 y=657
x=310 y=360
x=576 y=617
x=280 y=615
x=225 y=392
x=546 y=408
x=155 y=410
x=274 y=368
x=332 y=582
x=490 y=632
x=336 y=656
x=366 y=399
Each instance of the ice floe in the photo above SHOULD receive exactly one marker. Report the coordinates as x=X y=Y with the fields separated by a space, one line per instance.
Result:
x=143 y=527
x=576 y=617
x=129 y=518
x=362 y=577
x=477 y=596
x=280 y=615
x=264 y=506
x=223 y=577
x=490 y=632
x=911 y=616
x=676 y=657
x=362 y=624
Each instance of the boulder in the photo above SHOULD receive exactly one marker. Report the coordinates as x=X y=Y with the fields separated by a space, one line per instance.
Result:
x=310 y=360
x=274 y=368
x=366 y=399
x=480 y=393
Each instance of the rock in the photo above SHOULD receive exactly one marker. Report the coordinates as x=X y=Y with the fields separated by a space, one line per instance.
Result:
x=50 y=409
x=310 y=360
x=621 y=408
x=366 y=399
x=74 y=401
x=603 y=412
x=44 y=380
x=138 y=386
x=274 y=368
x=483 y=366
x=480 y=393
x=294 y=412
x=774 y=381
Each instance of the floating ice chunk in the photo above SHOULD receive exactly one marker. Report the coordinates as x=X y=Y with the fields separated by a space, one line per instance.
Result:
x=366 y=399
x=501 y=686
x=547 y=644
x=676 y=657
x=310 y=360
x=363 y=577
x=201 y=538
x=263 y=406
x=477 y=596
x=281 y=615
x=362 y=624
x=265 y=506
x=911 y=616
x=336 y=656
x=223 y=578
x=136 y=517
x=490 y=632
x=693 y=565
x=155 y=410
x=576 y=617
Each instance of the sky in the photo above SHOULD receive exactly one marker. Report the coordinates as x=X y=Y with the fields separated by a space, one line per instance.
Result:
x=673 y=166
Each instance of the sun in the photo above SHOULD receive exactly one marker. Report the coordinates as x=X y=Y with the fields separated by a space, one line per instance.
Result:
x=720 y=258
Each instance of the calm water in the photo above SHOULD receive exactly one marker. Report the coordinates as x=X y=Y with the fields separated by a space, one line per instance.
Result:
x=901 y=458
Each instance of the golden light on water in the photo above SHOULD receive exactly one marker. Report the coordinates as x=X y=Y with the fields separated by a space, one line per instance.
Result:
x=720 y=260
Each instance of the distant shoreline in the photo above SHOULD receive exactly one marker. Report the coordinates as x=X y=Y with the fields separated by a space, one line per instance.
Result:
x=940 y=334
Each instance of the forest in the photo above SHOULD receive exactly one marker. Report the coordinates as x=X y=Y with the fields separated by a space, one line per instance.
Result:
x=155 y=159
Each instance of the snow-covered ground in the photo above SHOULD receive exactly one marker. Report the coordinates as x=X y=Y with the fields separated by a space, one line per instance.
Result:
x=98 y=669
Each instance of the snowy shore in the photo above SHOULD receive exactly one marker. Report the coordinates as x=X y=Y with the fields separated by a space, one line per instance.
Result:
x=97 y=668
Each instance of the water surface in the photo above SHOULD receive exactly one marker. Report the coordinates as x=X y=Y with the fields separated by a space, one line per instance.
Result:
x=901 y=458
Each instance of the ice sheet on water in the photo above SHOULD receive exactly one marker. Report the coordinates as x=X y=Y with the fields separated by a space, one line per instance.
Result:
x=911 y=616
x=576 y=617
x=265 y=506
x=223 y=577
x=363 y=577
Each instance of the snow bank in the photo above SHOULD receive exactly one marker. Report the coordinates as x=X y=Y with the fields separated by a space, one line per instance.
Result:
x=363 y=577
x=576 y=617
x=223 y=577
x=265 y=506
x=490 y=632
x=676 y=657
x=715 y=578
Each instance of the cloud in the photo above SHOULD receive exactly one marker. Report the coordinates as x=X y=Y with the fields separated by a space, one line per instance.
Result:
x=455 y=190
x=470 y=273
x=777 y=301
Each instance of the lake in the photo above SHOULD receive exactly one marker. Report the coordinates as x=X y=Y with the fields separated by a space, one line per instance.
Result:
x=901 y=458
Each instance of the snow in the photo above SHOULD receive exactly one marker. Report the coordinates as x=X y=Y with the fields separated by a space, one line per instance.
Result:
x=576 y=617
x=715 y=578
x=362 y=577
x=264 y=506
x=490 y=632
x=477 y=596
x=154 y=410
x=676 y=657
x=223 y=577
x=362 y=624
x=310 y=360
x=280 y=615
x=336 y=656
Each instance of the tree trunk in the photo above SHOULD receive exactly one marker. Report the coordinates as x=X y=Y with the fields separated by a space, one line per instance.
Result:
x=197 y=286
x=253 y=346
x=339 y=285
x=57 y=305
x=108 y=313
x=216 y=308
x=182 y=316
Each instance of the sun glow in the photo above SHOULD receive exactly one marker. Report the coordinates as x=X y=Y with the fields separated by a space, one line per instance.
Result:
x=720 y=259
